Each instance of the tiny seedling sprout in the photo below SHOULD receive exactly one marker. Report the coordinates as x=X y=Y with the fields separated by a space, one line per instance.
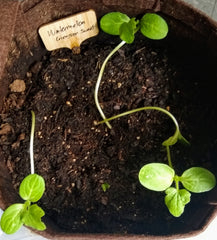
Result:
x=151 y=26
x=105 y=187
x=160 y=176
x=31 y=190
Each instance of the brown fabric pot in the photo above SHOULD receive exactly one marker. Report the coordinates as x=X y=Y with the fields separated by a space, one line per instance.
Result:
x=20 y=46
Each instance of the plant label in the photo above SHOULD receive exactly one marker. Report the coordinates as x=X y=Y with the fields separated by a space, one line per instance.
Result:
x=69 y=32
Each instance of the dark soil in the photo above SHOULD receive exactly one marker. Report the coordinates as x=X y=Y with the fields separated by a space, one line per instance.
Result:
x=76 y=157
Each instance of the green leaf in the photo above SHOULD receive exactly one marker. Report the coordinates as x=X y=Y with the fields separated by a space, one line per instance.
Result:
x=173 y=139
x=32 y=218
x=156 y=176
x=170 y=141
x=197 y=180
x=105 y=187
x=153 y=26
x=183 y=140
x=127 y=30
x=32 y=187
x=176 y=200
x=11 y=218
x=111 y=22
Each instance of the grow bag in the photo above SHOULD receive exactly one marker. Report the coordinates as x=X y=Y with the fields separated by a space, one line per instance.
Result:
x=21 y=47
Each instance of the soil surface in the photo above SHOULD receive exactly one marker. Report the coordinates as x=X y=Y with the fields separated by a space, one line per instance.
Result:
x=75 y=156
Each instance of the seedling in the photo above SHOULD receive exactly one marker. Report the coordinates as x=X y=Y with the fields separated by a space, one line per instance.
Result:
x=160 y=177
x=151 y=26
x=31 y=190
x=105 y=187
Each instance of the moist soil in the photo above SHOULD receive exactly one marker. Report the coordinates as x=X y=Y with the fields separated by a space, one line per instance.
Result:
x=75 y=156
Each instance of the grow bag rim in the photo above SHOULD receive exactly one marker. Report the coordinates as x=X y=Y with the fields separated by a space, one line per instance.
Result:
x=63 y=236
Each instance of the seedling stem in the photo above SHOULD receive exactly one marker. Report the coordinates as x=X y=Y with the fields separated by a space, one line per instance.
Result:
x=100 y=78
x=31 y=143
x=169 y=156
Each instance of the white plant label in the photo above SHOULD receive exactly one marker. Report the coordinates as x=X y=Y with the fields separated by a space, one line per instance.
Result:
x=69 y=32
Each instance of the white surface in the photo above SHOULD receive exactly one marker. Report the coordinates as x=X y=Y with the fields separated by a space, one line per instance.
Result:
x=207 y=6
x=208 y=234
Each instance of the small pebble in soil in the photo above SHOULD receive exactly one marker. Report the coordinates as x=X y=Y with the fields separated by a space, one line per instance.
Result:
x=18 y=86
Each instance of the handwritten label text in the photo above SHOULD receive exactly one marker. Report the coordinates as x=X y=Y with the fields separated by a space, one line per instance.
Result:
x=69 y=32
